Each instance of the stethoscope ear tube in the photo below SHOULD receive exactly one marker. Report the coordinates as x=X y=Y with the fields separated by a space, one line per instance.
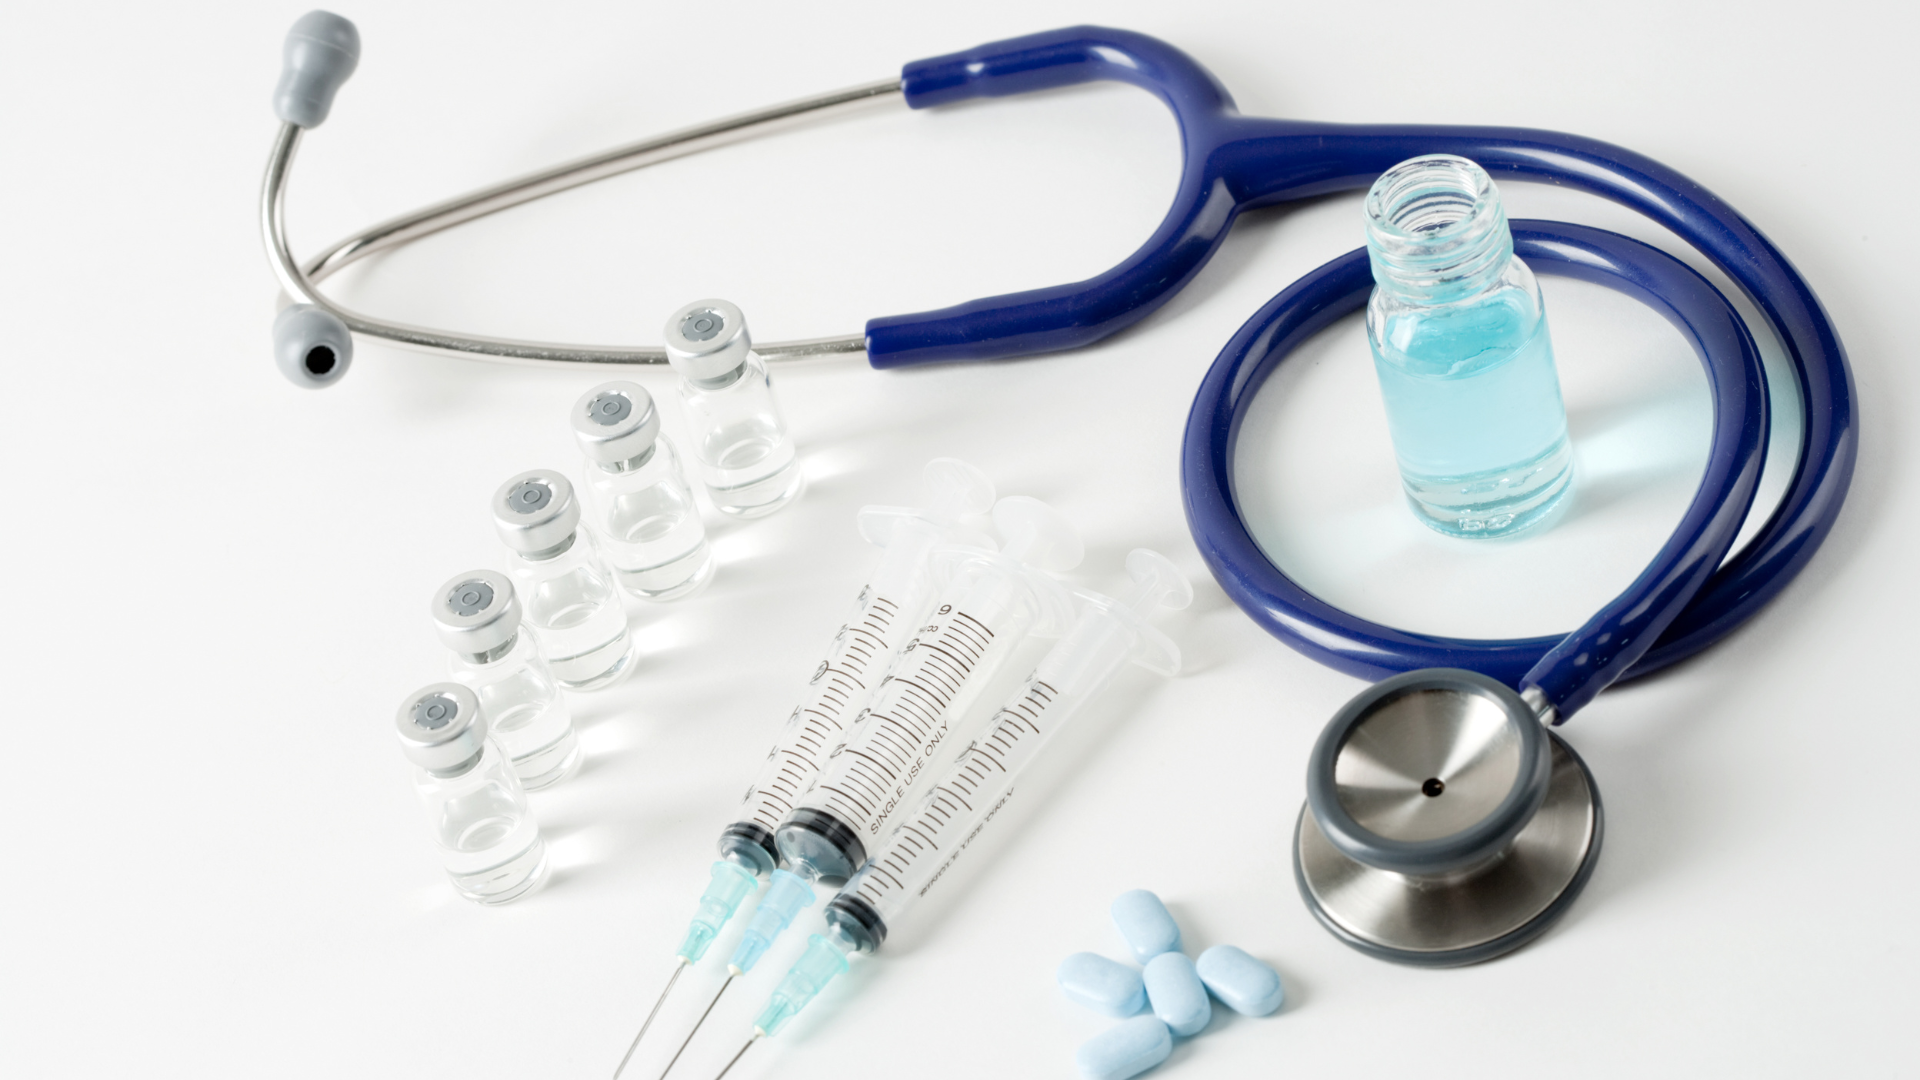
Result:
x=1568 y=669
x=1593 y=657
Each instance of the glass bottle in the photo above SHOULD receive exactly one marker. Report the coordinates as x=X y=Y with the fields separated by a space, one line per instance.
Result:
x=741 y=448
x=477 y=615
x=489 y=843
x=1460 y=343
x=637 y=500
x=567 y=595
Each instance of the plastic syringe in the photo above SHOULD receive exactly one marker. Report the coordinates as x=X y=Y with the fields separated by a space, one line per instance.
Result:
x=989 y=603
x=988 y=606
x=918 y=854
x=896 y=596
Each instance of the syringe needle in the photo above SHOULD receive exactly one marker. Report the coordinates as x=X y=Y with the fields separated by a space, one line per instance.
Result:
x=635 y=1045
x=738 y=1056
x=731 y=974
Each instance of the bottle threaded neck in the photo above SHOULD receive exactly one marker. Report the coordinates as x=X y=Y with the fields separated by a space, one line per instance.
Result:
x=1436 y=231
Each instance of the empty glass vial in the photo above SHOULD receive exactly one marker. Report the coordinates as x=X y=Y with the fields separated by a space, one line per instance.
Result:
x=637 y=501
x=488 y=840
x=567 y=595
x=741 y=447
x=1459 y=337
x=477 y=615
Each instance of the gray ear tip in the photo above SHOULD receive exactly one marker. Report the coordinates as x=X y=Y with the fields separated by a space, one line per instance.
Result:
x=312 y=346
x=321 y=51
x=337 y=31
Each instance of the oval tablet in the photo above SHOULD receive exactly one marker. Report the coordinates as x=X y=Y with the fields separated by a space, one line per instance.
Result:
x=1126 y=1049
x=1146 y=924
x=1242 y=983
x=1174 y=991
x=1101 y=984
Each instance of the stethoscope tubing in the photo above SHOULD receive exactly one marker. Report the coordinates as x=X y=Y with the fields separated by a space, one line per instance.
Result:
x=1633 y=634
x=1235 y=163
x=1232 y=163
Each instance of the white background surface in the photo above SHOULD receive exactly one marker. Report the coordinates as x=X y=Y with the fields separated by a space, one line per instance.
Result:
x=218 y=582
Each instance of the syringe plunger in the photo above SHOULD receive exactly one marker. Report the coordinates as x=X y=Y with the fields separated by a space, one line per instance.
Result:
x=1036 y=534
x=951 y=489
x=1157 y=583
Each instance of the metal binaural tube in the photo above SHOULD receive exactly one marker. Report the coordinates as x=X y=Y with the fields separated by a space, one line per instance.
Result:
x=300 y=282
x=538 y=185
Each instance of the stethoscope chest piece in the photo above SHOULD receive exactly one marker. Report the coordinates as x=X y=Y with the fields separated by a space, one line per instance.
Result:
x=1445 y=824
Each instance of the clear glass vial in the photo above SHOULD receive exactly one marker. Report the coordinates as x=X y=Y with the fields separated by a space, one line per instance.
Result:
x=477 y=615
x=567 y=594
x=1460 y=343
x=637 y=500
x=744 y=456
x=488 y=840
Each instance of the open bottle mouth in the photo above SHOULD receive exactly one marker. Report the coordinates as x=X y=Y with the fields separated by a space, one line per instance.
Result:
x=1436 y=229
x=1425 y=198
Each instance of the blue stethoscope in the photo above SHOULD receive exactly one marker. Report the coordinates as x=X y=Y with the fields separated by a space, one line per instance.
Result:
x=1446 y=822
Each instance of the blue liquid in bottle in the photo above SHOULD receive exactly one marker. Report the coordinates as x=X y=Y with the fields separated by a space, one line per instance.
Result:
x=1460 y=343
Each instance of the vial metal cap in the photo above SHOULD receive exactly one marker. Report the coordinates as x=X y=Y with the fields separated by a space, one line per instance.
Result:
x=615 y=422
x=707 y=340
x=475 y=612
x=441 y=727
x=535 y=511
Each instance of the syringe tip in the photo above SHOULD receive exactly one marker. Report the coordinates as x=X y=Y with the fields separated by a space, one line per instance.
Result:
x=774 y=1016
x=816 y=967
x=694 y=945
x=748 y=953
x=729 y=885
x=786 y=895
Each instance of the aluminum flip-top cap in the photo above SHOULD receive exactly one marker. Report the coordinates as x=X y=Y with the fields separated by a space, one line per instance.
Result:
x=707 y=340
x=475 y=612
x=535 y=511
x=615 y=422
x=441 y=727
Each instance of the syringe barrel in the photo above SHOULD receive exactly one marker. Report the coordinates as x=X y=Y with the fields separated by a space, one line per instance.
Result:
x=895 y=598
x=1086 y=659
x=921 y=707
x=912 y=860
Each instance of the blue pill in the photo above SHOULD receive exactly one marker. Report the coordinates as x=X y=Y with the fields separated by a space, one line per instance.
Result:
x=1102 y=984
x=1146 y=924
x=1126 y=1049
x=1242 y=983
x=1174 y=990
